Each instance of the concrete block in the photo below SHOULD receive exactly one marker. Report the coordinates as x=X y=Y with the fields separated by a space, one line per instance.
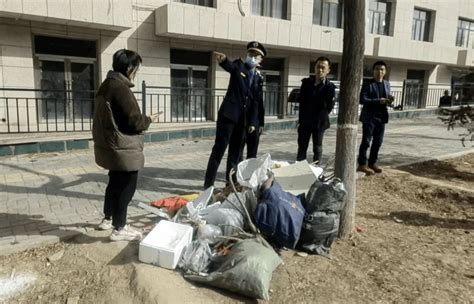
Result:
x=191 y=18
x=26 y=148
x=60 y=10
x=206 y=23
x=52 y=146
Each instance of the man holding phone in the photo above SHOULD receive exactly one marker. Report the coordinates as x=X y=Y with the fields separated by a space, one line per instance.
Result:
x=375 y=96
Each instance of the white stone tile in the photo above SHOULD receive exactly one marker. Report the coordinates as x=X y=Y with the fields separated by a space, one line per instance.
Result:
x=18 y=77
x=15 y=35
x=37 y=8
x=235 y=27
x=17 y=56
x=122 y=12
x=295 y=35
x=11 y=6
x=284 y=33
x=60 y=10
x=221 y=26
x=175 y=19
x=81 y=10
x=248 y=28
x=191 y=21
x=305 y=39
x=260 y=30
x=272 y=31
x=102 y=12
x=206 y=23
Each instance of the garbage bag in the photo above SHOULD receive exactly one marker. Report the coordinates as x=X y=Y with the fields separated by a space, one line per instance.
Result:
x=320 y=229
x=327 y=197
x=196 y=257
x=280 y=214
x=246 y=270
x=321 y=222
x=229 y=220
x=252 y=172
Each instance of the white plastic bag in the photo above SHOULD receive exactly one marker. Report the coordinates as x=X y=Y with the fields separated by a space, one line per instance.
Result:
x=252 y=172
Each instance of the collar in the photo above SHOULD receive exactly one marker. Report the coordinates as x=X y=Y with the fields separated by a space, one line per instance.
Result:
x=118 y=76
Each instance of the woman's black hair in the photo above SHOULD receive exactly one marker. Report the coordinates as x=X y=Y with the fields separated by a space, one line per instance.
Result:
x=125 y=61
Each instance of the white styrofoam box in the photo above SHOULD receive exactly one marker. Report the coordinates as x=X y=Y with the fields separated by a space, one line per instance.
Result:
x=164 y=245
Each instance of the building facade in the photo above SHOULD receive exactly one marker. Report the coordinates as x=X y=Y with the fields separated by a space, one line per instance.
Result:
x=64 y=48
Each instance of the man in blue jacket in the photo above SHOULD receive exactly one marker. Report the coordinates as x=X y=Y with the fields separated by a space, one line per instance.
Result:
x=238 y=111
x=316 y=100
x=375 y=96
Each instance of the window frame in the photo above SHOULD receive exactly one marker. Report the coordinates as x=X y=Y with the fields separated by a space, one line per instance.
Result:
x=423 y=23
x=269 y=8
x=212 y=5
x=376 y=13
x=324 y=12
x=463 y=40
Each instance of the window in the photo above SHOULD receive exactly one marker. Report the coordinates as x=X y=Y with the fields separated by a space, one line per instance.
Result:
x=465 y=31
x=379 y=17
x=208 y=3
x=327 y=13
x=270 y=8
x=421 y=25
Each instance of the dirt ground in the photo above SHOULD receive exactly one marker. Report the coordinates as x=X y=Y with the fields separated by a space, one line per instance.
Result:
x=414 y=244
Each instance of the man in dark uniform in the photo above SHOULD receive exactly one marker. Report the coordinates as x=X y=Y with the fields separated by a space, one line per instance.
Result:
x=238 y=111
x=316 y=100
x=253 y=139
x=375 y=96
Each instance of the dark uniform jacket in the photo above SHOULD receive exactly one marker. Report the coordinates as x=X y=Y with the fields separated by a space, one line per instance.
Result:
x=315 y=106
x=118 y=126
x=242 y=98
x=370 y=99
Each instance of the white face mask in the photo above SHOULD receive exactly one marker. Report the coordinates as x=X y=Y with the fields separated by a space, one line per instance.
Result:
x=251 y=61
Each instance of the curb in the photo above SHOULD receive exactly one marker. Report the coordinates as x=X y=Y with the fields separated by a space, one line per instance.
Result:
x=65 y=145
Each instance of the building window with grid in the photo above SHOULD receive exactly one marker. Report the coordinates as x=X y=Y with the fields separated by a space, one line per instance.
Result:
x=208 y=3
x=421 y=25
x=465 y=34
x=327 y=13
x=270 y=8
x=379 y=17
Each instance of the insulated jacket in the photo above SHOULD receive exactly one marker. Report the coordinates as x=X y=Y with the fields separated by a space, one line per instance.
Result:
x=118 y=126
x=242 y=98
x=314 y=109
x=370 y=99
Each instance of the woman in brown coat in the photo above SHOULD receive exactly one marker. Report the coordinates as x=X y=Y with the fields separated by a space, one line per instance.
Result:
x=118 y=141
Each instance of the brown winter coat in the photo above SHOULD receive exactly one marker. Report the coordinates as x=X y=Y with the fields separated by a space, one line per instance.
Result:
x=118 y=126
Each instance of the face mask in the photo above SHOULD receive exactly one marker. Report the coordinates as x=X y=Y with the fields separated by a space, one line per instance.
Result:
x=251 y=61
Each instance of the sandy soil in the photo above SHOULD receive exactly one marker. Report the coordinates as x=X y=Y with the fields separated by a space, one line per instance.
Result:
x=413 y=244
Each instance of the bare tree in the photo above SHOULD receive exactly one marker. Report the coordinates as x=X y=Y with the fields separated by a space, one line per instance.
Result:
x=462 y=117
x=346 y=139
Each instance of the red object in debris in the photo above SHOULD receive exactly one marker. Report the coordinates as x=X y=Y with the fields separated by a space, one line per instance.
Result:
x=359 y=229
x=171 y=204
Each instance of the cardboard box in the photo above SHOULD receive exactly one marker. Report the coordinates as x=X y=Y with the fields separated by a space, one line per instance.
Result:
x=164 y=245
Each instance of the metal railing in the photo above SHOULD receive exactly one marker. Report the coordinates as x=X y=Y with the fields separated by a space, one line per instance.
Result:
x=30 y=110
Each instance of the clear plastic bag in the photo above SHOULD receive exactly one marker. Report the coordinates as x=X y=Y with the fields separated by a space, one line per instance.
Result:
x=229 y=220
x=209 y=232
x=196 y=257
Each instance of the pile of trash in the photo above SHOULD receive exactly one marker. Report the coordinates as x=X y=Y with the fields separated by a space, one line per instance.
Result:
x=231 y=239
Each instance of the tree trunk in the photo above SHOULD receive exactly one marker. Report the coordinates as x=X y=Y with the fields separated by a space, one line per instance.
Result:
x=351 y=74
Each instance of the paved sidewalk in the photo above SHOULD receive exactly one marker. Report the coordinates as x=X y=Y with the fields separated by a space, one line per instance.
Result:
x=45 y=197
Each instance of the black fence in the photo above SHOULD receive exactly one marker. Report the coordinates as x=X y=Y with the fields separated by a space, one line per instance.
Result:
x=30 y=111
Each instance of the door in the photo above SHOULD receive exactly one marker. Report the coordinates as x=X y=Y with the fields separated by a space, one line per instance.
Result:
x=415 y=89
x=189 y=93
x=67 y=88
x=272 y=95
x=53 y=86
